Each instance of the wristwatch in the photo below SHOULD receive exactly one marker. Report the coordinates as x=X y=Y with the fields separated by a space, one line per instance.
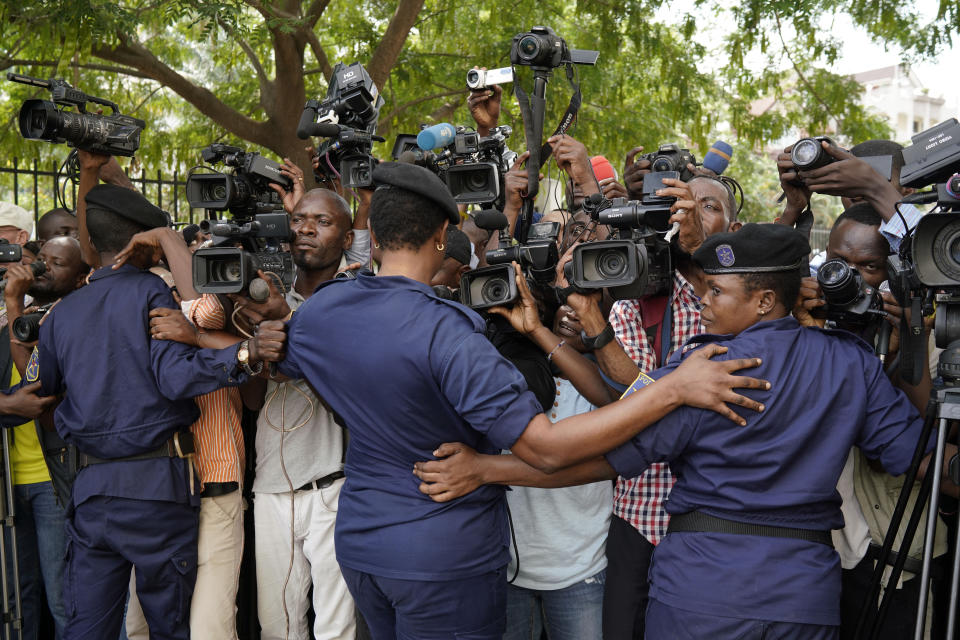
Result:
x=598 y=341
x=243 y=358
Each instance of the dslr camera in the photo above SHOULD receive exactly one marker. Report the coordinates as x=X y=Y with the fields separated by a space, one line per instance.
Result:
x=808 y=154
x=541 y=47
x=246 y=191
x=637 y=262
x=55 y=121
x=252 y=239
x=496 y=284
x=851 y=302
x=671 y=157
x=26 y=328
x=348 y=117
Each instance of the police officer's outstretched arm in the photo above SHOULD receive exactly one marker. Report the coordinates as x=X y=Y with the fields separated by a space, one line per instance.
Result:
x=698 y=382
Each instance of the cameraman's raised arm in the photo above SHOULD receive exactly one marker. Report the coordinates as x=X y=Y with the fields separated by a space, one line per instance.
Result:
x=90 y=164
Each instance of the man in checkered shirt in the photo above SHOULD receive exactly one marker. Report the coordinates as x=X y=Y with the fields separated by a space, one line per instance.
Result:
x=640 y=520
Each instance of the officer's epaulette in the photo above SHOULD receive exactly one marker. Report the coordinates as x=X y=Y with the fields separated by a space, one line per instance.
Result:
x=846 y=335
x=475 y=319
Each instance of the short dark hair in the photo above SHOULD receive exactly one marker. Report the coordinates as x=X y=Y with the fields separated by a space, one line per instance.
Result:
x=784 y=284
x=32 y=246
x=110 y=231
x=401 y=218
x=862 y=212
x=881 y=148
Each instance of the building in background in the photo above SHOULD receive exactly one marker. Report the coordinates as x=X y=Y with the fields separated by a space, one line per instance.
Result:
x=897 y=92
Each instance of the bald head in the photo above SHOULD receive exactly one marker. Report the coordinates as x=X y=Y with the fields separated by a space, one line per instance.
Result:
x=65 y=269
x=329 y=201
x=56 y=222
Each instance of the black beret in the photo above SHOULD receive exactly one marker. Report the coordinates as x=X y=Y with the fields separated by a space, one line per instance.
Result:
x=458 y=245
x=127 y=203
x=755 y=248
x=418 y=180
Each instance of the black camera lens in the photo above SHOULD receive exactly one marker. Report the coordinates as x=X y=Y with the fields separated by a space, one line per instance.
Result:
x=39 y=120
x=495 y=290
x=838 y=282
x=529 y=47
x=612 y=264
x=662 y=163
x=807 y=154
x=226 y=271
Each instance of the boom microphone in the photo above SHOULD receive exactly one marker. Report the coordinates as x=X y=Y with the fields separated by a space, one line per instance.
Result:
x=439 y=135
x=490 y=220
x=718 y=157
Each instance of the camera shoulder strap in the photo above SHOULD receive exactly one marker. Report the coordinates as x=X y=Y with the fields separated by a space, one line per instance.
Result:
x=658 y=325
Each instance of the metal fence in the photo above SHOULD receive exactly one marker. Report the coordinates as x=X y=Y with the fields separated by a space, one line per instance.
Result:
x=35 y=188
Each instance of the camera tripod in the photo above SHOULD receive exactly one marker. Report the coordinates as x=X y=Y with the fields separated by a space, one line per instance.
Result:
x=12 y=617
x=943 y=407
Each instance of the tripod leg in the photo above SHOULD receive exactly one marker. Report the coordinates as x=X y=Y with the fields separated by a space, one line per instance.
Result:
x=9 y=522
x=954 y=582
x=931 y=531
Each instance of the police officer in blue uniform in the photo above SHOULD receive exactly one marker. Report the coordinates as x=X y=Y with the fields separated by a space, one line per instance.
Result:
x=127 y=406
x=748 y=553
x=406 y=370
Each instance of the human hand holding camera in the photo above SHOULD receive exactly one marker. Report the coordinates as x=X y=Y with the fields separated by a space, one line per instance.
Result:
x=796 y=192
x=810 y=303
x=485 y=107
x=686 y=214
x=292 y=197
x=19 y=279
x=275 y=307
x=633 y=173
x=523 y=315
x=572 y=158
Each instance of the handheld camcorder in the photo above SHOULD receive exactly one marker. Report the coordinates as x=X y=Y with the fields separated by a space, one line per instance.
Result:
x=637 y=262
x=245 y=192
x=348 y=117
x=496 y=285
x=483 y=78
x=55 y=121
x=253 y=239
x=541 y=47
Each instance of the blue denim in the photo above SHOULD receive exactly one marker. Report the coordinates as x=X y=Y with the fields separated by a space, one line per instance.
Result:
x=573 y=613
x=41 y=552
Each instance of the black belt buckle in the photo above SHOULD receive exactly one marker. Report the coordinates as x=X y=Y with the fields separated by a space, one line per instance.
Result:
x=322 y=483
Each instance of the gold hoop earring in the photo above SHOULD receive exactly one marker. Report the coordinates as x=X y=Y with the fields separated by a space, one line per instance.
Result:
x=441 y=246
x=376 y=245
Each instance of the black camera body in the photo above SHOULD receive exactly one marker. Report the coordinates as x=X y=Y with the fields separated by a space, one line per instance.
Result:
x=808 y=153
x=541 y=47
x=474 y=167
x=26 y=328
x=244 y=193
x=228 y=268
x=638 y=262
x=9 y=252
x=850 y=300
x=55 y=121
x=348 y=116
x=671 y=157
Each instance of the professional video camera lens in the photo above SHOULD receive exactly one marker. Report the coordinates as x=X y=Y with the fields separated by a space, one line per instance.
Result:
x=226 y=271
x=612 y=264
x=495 y=290
x=838 y=282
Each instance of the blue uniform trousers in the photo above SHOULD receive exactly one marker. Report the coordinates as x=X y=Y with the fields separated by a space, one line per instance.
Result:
x=108 y=535
x=468 y=609
x=664 y=622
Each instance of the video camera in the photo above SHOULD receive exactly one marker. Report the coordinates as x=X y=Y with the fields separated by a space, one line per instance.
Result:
x=472 y=167
x=244 y=193
x=348 y=116
x=53 y=121
x=496 y=285
x=259 y=225
x=637 y=263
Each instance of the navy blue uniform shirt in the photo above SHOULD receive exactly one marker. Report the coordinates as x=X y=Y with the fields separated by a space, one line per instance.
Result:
x=407 y=371
x=829 y=393
x=124 y=393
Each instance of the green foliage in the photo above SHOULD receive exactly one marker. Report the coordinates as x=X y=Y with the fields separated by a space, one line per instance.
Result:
x=655 y=82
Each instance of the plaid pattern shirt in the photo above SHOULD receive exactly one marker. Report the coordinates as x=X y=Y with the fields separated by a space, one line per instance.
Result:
x=640 y=500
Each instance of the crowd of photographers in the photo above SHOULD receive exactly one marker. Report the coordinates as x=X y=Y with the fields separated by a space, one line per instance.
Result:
x=160 y=381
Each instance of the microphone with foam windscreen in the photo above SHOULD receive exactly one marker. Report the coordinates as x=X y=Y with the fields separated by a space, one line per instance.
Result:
x=718 y=157
x=439 y=135
x=490 y=220
x=602 y=168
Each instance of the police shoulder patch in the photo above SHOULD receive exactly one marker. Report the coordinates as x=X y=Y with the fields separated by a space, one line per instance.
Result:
x=642 y=381
x=33 y=367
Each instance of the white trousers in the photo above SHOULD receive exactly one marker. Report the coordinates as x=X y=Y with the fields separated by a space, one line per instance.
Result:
x=310 y=560
x=213 y=609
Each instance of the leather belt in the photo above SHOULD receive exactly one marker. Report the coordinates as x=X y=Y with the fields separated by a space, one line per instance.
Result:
x=322 y=483
x=180 y=445
x=697 y=521
x=215 y=489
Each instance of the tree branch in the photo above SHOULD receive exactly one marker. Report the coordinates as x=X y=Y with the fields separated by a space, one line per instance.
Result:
x=319 y=53
x=314 y=11
x=262 y=78
x=133 y=54
x=386 y=53
x=800 y=75
x=412 y=103
x=5 y=64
